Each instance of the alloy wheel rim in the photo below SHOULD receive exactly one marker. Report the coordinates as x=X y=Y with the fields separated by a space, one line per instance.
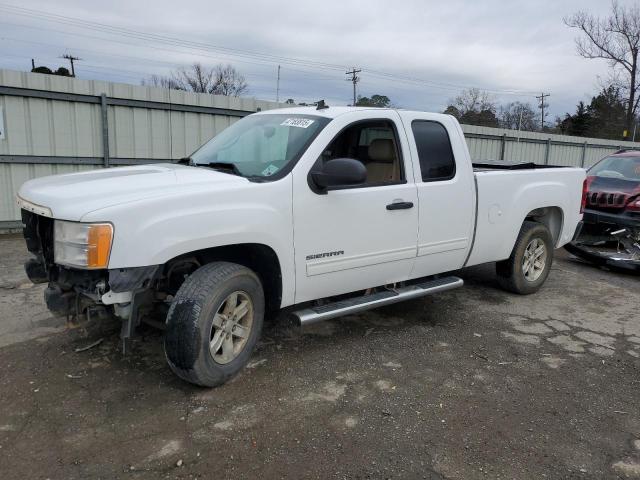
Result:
x=231 y=327
x=534 y=260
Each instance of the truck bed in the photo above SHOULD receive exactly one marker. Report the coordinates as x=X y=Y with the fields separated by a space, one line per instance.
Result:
x=507 y=193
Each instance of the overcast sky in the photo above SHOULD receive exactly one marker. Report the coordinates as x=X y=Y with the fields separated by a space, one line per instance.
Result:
x=512 y=48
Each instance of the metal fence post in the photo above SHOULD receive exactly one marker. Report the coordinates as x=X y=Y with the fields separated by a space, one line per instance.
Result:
x=105 y=130
x=584 y=154
x=546 y=152
x=503 y=146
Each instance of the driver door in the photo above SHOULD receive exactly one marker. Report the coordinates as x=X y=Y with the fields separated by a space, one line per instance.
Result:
x=356 y=237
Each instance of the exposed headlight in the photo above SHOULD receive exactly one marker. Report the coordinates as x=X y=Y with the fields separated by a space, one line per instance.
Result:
x=84 y=245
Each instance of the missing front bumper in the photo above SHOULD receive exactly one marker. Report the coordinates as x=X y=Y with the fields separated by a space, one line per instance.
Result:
x=596 y=257
x=609 y=245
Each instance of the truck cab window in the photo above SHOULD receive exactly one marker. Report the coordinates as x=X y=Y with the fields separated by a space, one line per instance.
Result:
x=434 y=151
x=375 y=144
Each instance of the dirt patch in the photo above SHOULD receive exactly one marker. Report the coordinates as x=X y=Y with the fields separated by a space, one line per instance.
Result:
x=471 y=384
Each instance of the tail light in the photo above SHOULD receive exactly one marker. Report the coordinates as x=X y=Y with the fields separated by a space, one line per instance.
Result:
x=585 y=192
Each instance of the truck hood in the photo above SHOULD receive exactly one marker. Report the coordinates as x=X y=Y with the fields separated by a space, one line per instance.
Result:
x=71 y=196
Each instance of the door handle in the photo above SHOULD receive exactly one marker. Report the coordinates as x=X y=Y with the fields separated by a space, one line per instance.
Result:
x=399 y=205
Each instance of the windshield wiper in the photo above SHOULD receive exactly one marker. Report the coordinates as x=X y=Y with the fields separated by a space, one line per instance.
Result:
x=184 y=161
x=225 y=167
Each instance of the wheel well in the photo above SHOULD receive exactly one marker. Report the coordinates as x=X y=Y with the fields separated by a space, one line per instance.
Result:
x=257 y=257
x=551 y=217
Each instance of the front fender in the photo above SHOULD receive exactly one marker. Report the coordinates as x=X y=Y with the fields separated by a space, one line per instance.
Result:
x=153 y=231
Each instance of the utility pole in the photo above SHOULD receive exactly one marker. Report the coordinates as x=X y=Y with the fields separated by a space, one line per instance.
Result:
x=541 y=98
x=520 y=121
x=354 y=79
x=278 y=86
x=71 y=58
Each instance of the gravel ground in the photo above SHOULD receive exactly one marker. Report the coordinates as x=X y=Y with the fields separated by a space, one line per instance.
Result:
x=473 y=383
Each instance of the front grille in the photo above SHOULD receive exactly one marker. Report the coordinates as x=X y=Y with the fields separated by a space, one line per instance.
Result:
x=38 y=234
x=606 y=200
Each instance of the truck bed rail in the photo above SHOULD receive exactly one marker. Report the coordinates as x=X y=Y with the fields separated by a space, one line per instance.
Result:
x=503 y=165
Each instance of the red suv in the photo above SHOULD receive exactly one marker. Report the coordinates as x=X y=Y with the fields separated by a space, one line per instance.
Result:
x=610 y=231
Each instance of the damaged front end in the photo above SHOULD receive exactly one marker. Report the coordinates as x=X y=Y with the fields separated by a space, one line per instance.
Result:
x=75 y=293
x=610 y=231
x=608 y=246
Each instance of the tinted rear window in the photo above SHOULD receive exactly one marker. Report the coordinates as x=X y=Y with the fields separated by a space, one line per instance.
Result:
x=434 y=151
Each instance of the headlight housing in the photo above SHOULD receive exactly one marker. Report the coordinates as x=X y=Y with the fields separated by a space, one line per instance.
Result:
x=82 y=245
x=33 y=207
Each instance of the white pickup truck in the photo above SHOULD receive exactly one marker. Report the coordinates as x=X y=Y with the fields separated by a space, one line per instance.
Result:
x=326 y=211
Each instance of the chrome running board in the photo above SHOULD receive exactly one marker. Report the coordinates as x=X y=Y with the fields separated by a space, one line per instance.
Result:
x=328 y=311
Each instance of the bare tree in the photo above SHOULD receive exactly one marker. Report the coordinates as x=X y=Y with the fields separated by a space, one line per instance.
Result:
x=615 y=38
x=474 y=107
x=162 y=82
x=519 y=116
x=219 y=80
x=196 y=78
x=474 y=100
x=228 y=81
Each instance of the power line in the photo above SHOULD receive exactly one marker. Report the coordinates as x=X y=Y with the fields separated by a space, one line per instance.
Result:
x=443 y=85
x=141 y=59
x=147 y=60
x=129 y=33
x=354 y=79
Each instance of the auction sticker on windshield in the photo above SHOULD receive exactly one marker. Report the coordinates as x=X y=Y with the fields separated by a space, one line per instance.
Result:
x=297 y=122
x=270 y=170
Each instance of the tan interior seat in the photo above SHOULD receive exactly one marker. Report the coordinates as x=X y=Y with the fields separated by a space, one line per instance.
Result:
x=383 y=163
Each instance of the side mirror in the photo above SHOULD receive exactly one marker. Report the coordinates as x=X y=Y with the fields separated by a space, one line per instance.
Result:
x=339 y=172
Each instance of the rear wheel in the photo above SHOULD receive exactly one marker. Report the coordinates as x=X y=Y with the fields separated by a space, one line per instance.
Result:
x=528 y=267
x=214 y=323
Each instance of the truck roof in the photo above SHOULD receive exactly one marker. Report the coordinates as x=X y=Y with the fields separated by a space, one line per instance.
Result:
x=333 y=112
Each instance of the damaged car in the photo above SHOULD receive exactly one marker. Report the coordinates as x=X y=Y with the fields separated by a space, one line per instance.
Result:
x=610 y=231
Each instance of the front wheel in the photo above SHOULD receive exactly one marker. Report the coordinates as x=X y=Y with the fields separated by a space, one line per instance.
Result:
x=214 y=323
x=529 y=265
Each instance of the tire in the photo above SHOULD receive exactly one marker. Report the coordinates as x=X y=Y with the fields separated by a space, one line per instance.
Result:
x=201 y=319
x=511 y=272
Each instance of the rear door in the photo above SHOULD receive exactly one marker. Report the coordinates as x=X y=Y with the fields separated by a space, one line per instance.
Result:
x=446 y=192
x=354 y=238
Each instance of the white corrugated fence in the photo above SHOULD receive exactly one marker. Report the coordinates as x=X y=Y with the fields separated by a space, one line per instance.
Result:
x=51 y=124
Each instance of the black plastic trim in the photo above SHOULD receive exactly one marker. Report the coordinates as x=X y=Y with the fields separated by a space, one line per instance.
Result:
x=503 y=165
x=400 y=206
x=128 y=279
x=475 y=221
x=621 y=219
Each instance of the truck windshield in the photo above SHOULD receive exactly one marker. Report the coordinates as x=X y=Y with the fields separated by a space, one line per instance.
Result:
x=261 y=146
x=627 y=168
